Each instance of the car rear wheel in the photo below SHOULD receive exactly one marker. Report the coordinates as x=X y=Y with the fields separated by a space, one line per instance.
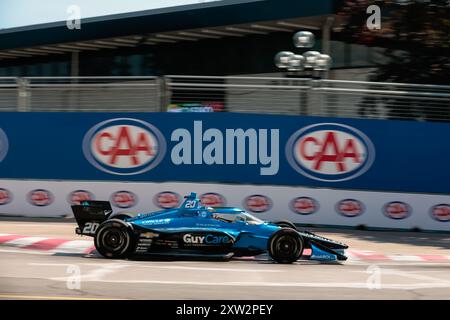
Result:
x=114 y=239
x=285 y=246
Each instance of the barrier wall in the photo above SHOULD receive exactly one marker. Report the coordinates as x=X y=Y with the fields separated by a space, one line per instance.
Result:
x=255 y=154
x=298 y=204
x=235 y=148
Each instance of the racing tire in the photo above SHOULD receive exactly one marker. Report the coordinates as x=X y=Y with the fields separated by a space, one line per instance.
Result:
x=115 y=239
x=285 y=224
x=285 y=246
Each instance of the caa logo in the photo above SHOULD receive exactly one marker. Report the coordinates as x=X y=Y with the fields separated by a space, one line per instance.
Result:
x=5 y=196
x=167 y=200
x=123 y=199
x=212 y=199
x=40 y=197
x=124 y=146
x=77 y=196
x=350 y=208
x=4 y=145
x=304 y=205
x=257 y=203
x=330 y=152
x=397 y=210
x=439 y=212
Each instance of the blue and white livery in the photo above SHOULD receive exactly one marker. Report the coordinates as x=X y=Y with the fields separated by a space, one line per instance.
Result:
x=196 y=230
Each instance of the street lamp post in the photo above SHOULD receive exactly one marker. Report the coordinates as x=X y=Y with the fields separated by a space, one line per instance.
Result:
x=310 y=64
x=310 y=61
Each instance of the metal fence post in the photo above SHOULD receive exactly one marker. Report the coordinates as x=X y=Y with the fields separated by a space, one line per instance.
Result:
x=22 y=95
x=305 y=98
x=316 y=101
x=163 y=93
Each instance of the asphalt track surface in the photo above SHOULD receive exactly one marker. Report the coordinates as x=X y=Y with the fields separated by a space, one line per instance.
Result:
x=28 y=274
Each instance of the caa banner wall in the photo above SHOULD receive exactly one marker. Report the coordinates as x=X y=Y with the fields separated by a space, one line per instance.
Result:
x=391 y=174
x=348 y=154
x=301 y=205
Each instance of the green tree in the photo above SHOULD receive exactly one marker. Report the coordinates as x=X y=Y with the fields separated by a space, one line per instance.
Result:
x=415 y=36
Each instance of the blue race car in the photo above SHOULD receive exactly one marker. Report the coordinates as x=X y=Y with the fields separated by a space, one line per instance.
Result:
x=195 y=230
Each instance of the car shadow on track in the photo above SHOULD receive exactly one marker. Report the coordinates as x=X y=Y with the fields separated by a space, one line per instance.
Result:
x=261 y=259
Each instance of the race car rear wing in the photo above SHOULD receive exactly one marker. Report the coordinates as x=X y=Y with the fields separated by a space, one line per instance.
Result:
x=89 y=214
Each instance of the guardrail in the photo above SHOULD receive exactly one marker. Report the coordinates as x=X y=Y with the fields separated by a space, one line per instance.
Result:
x=9 y=94
x=273 y=95
x=138 y=94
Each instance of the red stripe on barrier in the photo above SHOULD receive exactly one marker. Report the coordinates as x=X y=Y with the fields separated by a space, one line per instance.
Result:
x=368 y=255
x=46 y=244
x=90 y=250
x=10 y=237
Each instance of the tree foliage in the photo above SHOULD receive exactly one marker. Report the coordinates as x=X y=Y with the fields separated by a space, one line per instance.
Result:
x=415 y=36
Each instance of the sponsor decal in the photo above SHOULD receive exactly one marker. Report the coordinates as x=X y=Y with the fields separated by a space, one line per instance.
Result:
x=441 y=212
x=330 y=152
x=259 y=147
x=5 y=196
x=149 y=235
x=304 y=205
x=124 y=146
x=350 y=208
x=397 y=210
x=156 y=221
x=206 y=239
x=78 y=196
x=211 y=199
x=167 y=200
x=4 y=145
x=40 y=197
x=257 y=203
x=123 y=199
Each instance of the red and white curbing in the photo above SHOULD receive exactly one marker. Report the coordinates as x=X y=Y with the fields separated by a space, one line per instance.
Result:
x=374 y=256
x=53 y=245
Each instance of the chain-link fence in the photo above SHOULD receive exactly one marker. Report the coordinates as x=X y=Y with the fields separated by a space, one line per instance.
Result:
x=273 y=95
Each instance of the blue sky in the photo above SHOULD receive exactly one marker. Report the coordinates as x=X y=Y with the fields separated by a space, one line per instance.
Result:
x=16 y=13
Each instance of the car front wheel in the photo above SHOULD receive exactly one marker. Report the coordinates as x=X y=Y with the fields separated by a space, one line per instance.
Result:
x=285 y=246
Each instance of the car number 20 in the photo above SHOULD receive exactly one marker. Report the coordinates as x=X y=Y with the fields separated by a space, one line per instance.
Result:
x=190 y=204
x=90 y=228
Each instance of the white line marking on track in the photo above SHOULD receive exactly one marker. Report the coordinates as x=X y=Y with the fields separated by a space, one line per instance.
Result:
x=74 y=246
x=354 y=285
x=405 y=258
x=397 y=263
x=170 y=267
x=49 y=264
x=25 y=251
x=210 y=269
x=406 y=274
x=93 y=275
x=42 y=297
